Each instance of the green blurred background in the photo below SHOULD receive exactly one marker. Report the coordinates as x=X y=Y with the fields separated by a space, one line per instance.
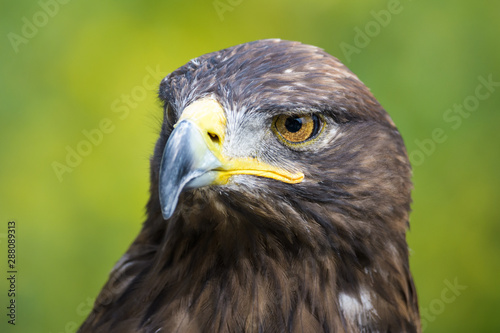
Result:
x=66 y=68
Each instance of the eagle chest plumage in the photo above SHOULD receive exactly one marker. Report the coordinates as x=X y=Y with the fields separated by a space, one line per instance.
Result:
x=280 y=195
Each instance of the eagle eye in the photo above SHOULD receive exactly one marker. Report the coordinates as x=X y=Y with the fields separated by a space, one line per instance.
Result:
x=297 y=129
x=170 y=114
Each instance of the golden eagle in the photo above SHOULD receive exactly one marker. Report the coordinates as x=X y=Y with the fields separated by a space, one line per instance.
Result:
x=280 y=195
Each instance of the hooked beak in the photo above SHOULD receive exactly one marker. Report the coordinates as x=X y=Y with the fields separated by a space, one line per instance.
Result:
x=193 y=157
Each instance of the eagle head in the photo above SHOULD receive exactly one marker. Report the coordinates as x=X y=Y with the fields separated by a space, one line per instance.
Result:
x=280 y=198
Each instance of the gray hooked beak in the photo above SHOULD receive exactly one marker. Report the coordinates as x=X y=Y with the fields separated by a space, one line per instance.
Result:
x=186 y=163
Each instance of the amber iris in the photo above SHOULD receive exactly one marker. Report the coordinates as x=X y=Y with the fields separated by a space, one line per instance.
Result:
x=298 y=128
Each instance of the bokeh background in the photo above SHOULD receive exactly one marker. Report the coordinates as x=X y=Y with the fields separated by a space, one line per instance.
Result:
x=70 y=70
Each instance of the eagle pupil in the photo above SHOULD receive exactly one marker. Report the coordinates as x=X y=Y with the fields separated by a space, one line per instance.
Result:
x=293 y=124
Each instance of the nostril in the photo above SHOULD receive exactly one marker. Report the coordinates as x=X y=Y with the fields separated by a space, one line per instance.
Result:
x=215 y=138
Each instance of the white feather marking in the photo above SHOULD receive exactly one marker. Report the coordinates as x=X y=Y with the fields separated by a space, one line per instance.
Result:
x=357 y=309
